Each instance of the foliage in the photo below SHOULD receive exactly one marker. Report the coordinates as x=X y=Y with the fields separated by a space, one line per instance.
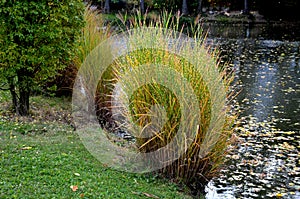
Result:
x=92 y=34
x=168 y=5
x=38 y=38
x=285 y=9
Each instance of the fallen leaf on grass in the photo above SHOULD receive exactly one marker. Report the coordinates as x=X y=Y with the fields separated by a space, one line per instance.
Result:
x=74 y=187
x=26 y=148
x=146 y=194
x=150 y=195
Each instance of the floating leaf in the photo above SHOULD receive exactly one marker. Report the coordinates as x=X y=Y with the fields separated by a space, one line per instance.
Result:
x=236 y=157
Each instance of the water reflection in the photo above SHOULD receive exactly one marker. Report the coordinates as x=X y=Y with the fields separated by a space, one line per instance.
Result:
x=264 y=31
x=268 y=74
x=266 y=161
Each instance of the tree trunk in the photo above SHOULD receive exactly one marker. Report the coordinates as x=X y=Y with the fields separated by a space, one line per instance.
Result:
x=21 y=102
x=185 y=10
x=24 y=102
x=199 y=9
x=14 y=96
x=24 y=84
x=246 y=7
x=142 y=7
x=107 y=6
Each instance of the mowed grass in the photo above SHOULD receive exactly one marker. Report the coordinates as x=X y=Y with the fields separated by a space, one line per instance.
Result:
x=46 y=159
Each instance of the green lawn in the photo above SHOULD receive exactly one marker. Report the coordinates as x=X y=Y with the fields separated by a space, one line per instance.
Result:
x=46 y=166
x=42 y=158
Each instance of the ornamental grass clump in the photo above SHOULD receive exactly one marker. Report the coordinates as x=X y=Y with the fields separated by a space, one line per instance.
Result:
x=92 y=34
x=169 y=92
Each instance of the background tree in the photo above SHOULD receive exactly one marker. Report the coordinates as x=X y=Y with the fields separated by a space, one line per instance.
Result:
x=199 y=8
x=168 y=5
x=142 y=7
x=106 y=8
x=246 y=7
x=38 y=38
x=185 y=10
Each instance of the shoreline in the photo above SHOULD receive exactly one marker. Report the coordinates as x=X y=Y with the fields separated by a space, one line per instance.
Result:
x=236 y=17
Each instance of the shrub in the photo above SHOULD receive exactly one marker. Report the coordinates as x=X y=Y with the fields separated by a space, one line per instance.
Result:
x=38 y=38
x=92 y=34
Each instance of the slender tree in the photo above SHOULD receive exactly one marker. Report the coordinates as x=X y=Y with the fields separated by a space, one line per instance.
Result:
x=199 y=9
x=185 y=10
x=38 y=38
x=142 y=7
x=107 y=6
x=246 y=7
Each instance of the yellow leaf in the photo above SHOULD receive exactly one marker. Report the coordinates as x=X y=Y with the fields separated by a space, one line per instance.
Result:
x=26 y=148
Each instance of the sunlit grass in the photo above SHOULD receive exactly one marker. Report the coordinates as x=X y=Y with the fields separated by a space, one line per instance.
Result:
x=48 y=165
x=42 y=157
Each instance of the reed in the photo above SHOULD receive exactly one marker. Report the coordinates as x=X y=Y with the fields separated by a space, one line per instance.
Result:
x=93 y=33
x=143 y=108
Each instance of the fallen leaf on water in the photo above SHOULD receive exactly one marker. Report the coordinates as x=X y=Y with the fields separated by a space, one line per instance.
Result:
x=74 y=187
x=280 y=195
x=235 y=157
x=289 y=132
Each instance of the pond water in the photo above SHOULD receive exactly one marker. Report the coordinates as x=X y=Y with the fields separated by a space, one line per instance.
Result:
x=266 y=64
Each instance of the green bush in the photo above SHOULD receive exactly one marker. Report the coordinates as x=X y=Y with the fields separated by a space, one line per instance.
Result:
x=38 y=38
x=92 y=34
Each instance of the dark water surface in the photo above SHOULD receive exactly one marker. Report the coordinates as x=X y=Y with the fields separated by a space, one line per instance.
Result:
x=266 y=63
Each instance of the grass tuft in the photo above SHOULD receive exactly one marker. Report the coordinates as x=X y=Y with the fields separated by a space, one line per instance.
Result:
x=142 y=106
